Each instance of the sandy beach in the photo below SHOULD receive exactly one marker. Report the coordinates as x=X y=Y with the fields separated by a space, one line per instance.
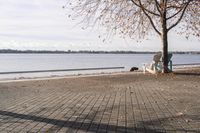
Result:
x=126 y=102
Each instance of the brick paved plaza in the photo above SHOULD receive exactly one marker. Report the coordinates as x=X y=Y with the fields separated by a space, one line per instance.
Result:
x=115 y=103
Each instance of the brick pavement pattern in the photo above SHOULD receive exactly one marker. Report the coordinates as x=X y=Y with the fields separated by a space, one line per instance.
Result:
x=105 y=104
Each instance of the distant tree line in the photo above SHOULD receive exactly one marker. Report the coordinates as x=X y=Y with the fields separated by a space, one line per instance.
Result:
x=30 y=51
x=87 y=52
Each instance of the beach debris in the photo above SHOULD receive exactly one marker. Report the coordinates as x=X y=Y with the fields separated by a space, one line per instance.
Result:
x=134 y=69
x=188 y=120
x=179 y=114
x=75 y=116
x=170 y=99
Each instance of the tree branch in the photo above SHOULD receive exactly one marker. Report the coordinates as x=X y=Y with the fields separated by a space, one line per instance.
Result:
x=175 y=14
x=157 y=6
x=177 y=22
x=151 y=21
x=153 y=13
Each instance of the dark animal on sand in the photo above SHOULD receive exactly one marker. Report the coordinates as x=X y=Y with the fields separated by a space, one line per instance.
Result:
x=134 y=69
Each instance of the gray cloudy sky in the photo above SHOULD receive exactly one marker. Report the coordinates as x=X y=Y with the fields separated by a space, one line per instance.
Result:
x=43 y=24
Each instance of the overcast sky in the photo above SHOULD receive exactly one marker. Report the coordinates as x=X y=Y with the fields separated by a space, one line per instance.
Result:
x=44 y=25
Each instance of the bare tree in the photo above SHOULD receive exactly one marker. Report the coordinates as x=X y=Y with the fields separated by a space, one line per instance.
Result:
x=138 y=18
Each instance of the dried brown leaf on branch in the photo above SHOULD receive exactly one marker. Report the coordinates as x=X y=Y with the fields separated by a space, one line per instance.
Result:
x=138 y=18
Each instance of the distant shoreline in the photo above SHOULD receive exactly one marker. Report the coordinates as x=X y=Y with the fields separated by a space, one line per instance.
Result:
x=11 y=51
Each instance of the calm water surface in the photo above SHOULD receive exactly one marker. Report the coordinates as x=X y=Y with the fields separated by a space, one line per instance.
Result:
x=29 y=62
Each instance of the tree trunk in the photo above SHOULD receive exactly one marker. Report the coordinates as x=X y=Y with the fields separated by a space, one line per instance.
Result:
x=165 y=52
x=164 y=39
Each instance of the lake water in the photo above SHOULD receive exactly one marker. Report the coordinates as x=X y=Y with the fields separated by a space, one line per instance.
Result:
x=31 y=62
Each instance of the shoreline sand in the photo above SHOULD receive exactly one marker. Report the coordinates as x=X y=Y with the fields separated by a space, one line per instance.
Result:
x=20 y=79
